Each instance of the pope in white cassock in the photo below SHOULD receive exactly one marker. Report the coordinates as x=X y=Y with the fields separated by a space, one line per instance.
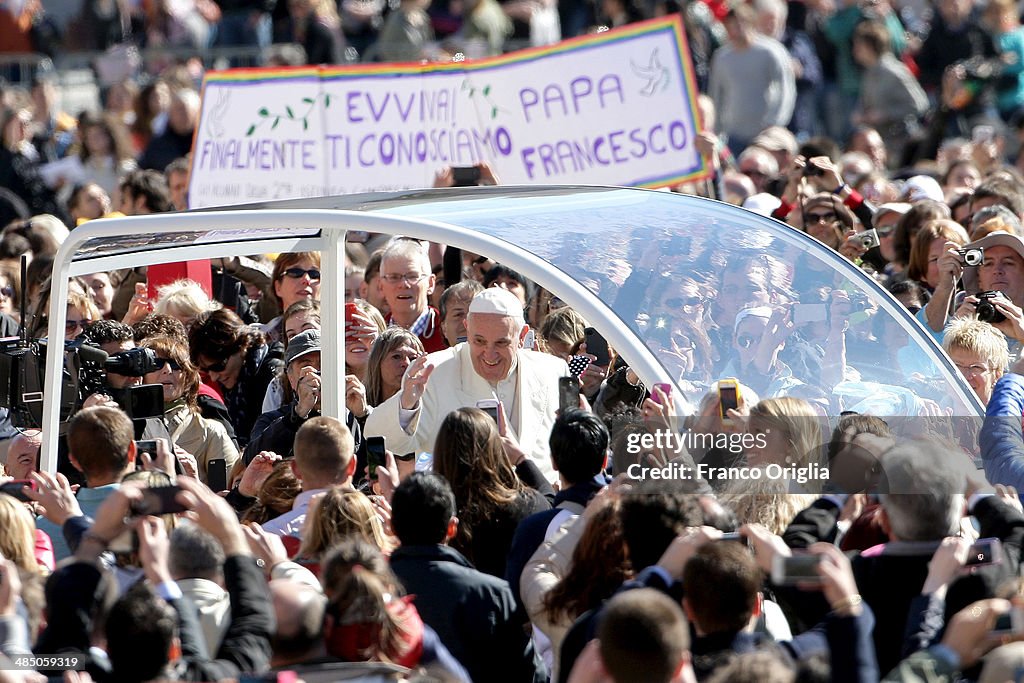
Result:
x=490 y=364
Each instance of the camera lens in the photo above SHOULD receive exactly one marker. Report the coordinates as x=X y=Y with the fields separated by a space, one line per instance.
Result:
x=987 y=313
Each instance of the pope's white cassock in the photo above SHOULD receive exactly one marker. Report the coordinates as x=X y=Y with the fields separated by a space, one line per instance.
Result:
x=529 y=395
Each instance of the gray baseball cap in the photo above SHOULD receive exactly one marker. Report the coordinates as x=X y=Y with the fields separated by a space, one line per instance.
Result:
x=302 y=344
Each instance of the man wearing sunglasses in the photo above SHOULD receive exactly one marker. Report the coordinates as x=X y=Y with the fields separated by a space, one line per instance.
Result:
x=759 y=334
x=406 y=283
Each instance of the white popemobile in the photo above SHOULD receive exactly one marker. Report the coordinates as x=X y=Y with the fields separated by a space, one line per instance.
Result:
x=619 y=256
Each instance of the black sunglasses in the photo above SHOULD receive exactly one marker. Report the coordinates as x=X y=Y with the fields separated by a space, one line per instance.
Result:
x=173 y=363
x=296 y=273
x=219 y=366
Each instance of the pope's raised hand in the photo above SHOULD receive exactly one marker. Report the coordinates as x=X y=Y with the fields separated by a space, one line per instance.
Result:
x=414 y=382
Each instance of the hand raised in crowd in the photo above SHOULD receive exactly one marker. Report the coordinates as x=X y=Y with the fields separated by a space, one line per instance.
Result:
x=968 y=307
x=1009 y=494
x=706 y=143
x=256 y=473
x=778 y=330
x=162 y=461
x=950 y=263
x=355 y=396
x=138 y=307
x=214 y=514
x=837 y=581
x=766 y=545
x=361 y=328
x=946 y=564
x=852 y=247
x=265 y=546
x=829 y=177
x=53 y=492
x=1013 y=326
x=414 y=382
x=189 y=465
x=969 y=632
x=111 y=520
x=99 y=399
x=683 y=547
x=710 y=421
x=513 y=451
x=382 y=508
x=487 y=174
x=308 y=391
x=388 y=477
x=593 y=376
x=659 y=410
x=154 y=549
x=839 y=310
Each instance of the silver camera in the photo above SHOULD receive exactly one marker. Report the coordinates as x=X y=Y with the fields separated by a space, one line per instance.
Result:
x=867 y=239
x=971 y=257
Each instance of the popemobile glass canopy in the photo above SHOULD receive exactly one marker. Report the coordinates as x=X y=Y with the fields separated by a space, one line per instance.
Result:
x=664 y=277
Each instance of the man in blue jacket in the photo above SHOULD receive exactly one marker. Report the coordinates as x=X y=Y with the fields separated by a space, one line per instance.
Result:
x=472 y=612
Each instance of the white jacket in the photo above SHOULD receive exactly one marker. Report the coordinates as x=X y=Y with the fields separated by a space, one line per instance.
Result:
x=455 y=384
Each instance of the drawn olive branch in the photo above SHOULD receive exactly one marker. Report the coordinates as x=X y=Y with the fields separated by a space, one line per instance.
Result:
x=485 y=93
x=288 y=114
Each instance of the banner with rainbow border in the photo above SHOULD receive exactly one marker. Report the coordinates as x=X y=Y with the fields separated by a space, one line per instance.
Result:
x=614 y=108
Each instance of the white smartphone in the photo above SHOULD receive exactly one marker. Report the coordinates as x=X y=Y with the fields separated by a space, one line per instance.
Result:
x=809 y=313
x=489 y=406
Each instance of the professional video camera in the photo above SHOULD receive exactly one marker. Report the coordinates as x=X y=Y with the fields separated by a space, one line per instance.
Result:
x=84 y=372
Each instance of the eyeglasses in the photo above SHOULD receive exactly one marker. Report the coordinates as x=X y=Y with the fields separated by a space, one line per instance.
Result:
x=972 y=370
x=819 y=217
x=219 y=366
x=886 y=231
x=296 y=273
x=745 y=341
x=6 y=292
x=172 y=363
x=408 y=278
x=72 y=325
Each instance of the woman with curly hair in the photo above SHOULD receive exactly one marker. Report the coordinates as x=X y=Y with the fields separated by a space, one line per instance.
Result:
x=490 y=495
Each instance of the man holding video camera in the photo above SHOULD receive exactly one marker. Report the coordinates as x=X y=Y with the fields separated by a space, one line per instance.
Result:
x=992 y=269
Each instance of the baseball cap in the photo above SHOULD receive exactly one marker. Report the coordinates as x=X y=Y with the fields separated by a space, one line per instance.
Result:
x=900 y=208
x=302 y=344
x=993 y=239
x=920 y=187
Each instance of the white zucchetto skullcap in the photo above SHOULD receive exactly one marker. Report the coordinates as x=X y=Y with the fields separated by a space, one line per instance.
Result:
x=498 y=301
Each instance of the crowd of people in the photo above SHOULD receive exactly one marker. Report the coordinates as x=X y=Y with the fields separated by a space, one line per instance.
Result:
x=234 y=532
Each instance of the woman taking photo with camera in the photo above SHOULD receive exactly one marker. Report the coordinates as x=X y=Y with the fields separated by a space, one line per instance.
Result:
x=191 y=433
